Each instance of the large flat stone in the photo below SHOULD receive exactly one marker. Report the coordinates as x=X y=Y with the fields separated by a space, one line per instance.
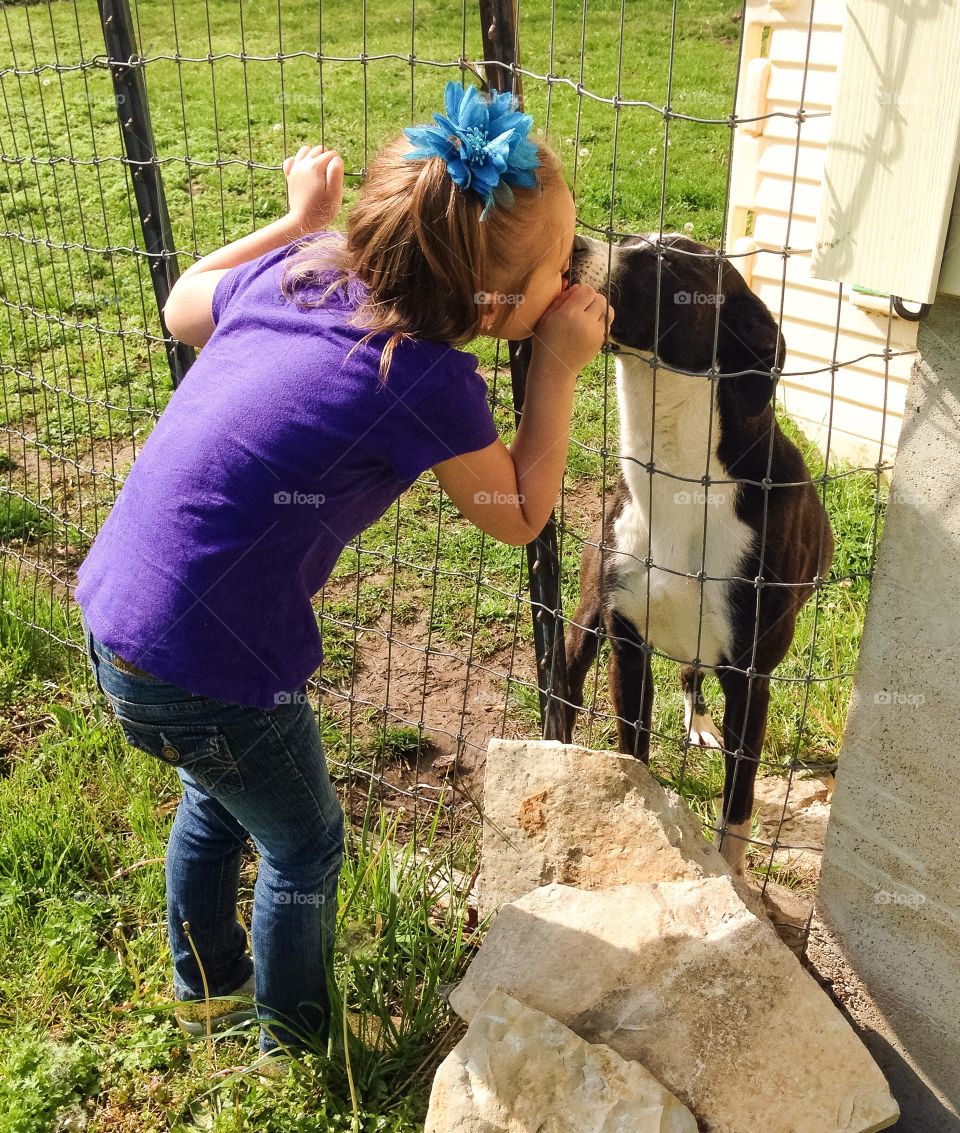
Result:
x=592 y=819
x=682 y=978
x=517 y=1070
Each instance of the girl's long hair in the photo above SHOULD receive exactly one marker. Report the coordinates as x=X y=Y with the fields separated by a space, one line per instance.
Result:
x=416 y=243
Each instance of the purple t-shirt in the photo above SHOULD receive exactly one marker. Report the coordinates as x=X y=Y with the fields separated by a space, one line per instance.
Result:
x=274 y=451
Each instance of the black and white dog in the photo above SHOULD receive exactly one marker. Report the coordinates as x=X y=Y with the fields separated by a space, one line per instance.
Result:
x=716 y=535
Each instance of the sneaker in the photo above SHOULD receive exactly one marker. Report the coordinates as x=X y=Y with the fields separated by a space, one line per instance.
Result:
x=194 y=1015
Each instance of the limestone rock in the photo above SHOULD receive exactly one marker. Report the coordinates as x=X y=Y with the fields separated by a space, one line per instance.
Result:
x=789 y=912
x=681 y=977
x=591 y=819
x=805 y=810
x=517 y=1070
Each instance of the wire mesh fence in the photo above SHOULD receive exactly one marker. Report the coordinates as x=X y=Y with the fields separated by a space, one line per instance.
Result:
x=427 y=624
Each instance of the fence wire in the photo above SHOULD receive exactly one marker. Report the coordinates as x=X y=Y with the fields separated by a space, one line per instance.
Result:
x=426 y=623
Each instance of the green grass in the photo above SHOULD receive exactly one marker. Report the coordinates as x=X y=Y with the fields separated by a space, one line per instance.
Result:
x=421 y=574
x=85 y=1038
x=85 y=1024
x=85 y=1034
x=92 y=373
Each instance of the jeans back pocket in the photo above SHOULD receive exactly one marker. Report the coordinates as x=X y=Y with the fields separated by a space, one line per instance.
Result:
x=201 y=750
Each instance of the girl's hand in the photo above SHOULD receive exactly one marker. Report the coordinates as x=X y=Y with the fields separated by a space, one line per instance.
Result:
x=573 y=327
x=314 y=186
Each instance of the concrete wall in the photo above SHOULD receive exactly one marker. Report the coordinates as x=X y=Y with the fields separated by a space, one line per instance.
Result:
x=891 y=870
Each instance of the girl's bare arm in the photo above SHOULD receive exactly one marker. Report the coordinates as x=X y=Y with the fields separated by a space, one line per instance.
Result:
x=315 y=193
x=509 y=493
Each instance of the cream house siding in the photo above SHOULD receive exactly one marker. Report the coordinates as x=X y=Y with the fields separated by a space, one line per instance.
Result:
x=792 y=53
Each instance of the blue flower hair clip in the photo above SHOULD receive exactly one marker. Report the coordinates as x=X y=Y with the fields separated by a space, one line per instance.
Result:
x=483 y=141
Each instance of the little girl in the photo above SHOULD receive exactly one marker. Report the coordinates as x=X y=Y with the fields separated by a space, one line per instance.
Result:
x=330 y=380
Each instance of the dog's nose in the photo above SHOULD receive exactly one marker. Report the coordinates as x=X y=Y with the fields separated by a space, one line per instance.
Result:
x=590 y=260
x=581 y=256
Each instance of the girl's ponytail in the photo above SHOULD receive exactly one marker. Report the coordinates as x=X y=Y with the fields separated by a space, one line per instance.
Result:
x=416 y=243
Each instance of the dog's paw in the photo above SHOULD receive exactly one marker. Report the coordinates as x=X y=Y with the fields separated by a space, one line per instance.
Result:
x=734 y=840
x=703 y=733
x=701 y=728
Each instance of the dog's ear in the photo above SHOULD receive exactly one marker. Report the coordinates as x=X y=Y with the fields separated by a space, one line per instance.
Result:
x=750 y=345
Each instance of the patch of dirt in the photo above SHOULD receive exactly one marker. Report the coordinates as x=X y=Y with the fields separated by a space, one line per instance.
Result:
x=404 y=676
x=460 y=702
x=72 y=489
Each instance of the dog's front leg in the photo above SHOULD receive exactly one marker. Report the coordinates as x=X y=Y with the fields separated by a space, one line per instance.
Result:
x=697 y=722
x=744 y=726
x=631 y=686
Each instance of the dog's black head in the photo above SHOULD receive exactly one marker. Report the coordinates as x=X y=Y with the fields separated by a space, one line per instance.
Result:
x=703 y=300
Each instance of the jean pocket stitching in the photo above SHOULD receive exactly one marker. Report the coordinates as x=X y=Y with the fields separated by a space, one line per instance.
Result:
x=201 y=750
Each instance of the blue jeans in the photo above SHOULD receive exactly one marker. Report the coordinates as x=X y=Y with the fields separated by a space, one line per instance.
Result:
x=245 y=772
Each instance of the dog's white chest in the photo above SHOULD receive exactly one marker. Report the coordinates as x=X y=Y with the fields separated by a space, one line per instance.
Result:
x=683 y=526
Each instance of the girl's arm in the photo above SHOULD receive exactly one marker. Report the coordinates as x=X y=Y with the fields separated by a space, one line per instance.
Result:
x=509 y=493
x=314 y=192
x=272 y=235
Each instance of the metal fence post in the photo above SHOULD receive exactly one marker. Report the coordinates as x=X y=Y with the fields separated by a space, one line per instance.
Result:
x=133 y=114
x=500 y=47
